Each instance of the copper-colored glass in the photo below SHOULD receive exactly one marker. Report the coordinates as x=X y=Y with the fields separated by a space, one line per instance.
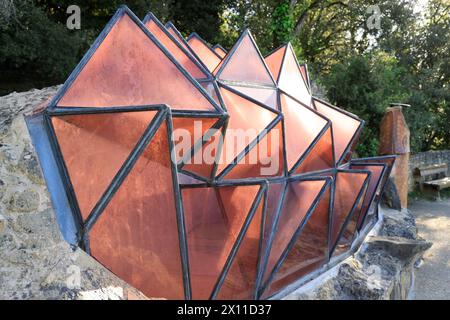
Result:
x=222 y=53
x=374 y=182
x=240 y=282
x=320 y=157
x=310 y=250
x=298 y=200
x=136 y=236
x=192 y=128
x=291 y=80
x=245 y=54
x=240 y=111
x=262 y=228
x=184 y=58
x=264 y=160
x=267 y=96
x=344 y=127
x=202 y=164
x=214 y=218
x=128 y=69
x=302 y=126
x=209 y=58
x=274 y=61
x=347 y=187
x=94 y=147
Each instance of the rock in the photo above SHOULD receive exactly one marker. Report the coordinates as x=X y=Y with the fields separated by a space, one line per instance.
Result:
x=26 y=201
x=390 y=195
x=2 y=223
x=403 y=249
x=29 y=165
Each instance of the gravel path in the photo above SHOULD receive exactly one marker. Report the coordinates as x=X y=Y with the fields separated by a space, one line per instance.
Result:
x=433 y=277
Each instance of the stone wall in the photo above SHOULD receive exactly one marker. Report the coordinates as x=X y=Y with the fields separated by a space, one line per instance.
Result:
x=425 y=159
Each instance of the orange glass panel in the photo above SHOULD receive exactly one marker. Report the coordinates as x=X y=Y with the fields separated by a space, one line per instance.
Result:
x=94 y=147
x=128 y=69
x=204 y=165
x=274 y=61
x=274 y=197
x=374 y=182
x=214 y=218
x=204 y=53
x=241 y=131
x=222 y=53
x=267 y=96
x=344 y=127
x=302 y=126
x=184 y=58
x=348 y=235
x=304 y=72
x=240 y=282
x=136 y=237
x=245 y=64
x=264 y=160
x=211 y=90
x=298 y=200
x=291 y=80
x=347 y=187
x=310 y=250
x=320 y=157
x=192 y=129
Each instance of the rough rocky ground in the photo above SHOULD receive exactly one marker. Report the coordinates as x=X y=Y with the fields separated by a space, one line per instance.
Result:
x=35 y=263
x=382 y=269
x=433 y=222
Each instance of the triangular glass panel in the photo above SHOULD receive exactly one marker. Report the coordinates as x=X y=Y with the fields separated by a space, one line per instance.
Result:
x=267 y=96
x=302 y=126
x=127 y=238
x=214 y=219
x=208 y=56
x=320 y=156
x=300 y=195
x=121 y=72
x=244 y=53
x=240 y=281
x=274 y=61
x=264 y=160
x=220 y=51
x=377 y=171
x=291 y=80
x=174 y=47
x=94 y=147
x=240 y=131
x=348 y=186
x=345 y=127
x=309 y=250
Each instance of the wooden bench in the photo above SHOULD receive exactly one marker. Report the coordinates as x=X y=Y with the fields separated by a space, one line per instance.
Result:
x=432 y=179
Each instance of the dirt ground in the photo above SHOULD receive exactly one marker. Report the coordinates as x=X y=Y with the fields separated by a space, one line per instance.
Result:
x=433 y=277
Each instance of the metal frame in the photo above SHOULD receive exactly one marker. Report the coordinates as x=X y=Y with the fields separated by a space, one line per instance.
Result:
x=351 y=115
x=151 y=17
x=328 y=183
x=83 y=228
x=218 y=46
x=195 y=35
x=261 y=195
x=164 y=115
x=230 y=54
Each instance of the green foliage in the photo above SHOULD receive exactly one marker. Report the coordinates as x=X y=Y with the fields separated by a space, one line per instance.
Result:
x=282 y=24
x=363 y=69
x=33 y=46
x=365 y=85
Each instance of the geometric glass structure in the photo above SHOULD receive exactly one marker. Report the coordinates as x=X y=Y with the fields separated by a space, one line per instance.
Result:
x=147 y=174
